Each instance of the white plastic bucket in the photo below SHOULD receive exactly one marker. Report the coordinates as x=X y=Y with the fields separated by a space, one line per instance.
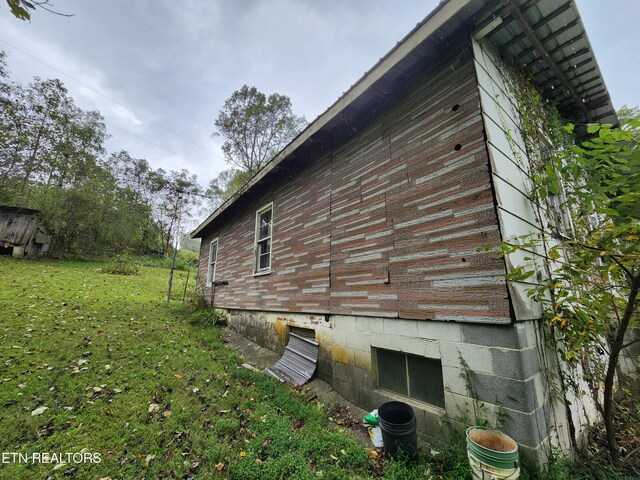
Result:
x=482 y=471
x=492 y=454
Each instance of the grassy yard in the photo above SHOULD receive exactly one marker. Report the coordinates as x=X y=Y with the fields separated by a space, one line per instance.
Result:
x=123 y=375
x=94 y=363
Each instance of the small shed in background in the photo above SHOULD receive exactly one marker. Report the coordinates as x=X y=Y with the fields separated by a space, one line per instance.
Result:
x=21 y=232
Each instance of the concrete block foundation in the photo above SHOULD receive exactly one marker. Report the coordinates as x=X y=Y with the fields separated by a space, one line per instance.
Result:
x=491 y=373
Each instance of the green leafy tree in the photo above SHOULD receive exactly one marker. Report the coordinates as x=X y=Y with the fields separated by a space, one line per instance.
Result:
x=591 y=285
x=255 y=127
x=52 y=159
x=222 y=187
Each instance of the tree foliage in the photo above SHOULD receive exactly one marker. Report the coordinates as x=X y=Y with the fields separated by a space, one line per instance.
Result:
x=222 y=187
x=591 y=285
x=256 y=127
x=52 y=158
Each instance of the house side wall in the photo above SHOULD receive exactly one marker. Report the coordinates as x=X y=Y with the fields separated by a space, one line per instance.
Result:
x=383 y=232
x=299 y=278
x=386 y=224
x=520 y=216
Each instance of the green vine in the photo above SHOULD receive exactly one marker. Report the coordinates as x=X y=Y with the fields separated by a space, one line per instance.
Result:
x=583 y=264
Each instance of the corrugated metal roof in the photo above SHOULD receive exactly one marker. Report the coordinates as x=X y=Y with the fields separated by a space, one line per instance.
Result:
x=557 y=26
x=544 y=37
x=298 y=363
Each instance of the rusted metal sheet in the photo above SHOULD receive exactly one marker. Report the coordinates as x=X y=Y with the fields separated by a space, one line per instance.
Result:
x=17 y=226
x=298 y=363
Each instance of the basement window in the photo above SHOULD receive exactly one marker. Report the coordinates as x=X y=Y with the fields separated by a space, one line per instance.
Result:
x=264 y=225
x=213 y=259
x=413 y=376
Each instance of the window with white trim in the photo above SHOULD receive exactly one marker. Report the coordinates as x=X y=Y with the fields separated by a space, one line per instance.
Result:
x=213 y=259
x=264 y=227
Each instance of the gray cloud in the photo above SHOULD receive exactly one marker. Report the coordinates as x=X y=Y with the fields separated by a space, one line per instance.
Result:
x=174 y=63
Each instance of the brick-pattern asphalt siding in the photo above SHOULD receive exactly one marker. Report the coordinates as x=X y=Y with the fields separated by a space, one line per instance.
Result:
x=387 y=224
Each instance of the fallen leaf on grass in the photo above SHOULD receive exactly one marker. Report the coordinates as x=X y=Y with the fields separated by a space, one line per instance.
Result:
x=242 y=454
x=96 y=389
x=39 y=411
x=166 y=414
x=219 y=466
x=148 y=459
x=153 y=408
x=258 y=461
x=178 y=376
x=22 y=385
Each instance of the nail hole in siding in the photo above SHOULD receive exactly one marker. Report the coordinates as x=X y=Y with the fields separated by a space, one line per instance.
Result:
x=457 y=147
x=455 y=108
x=464 y=259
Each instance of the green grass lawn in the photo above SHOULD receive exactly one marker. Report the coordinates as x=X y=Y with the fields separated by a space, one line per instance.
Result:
x=94 y=363
x=124 y=375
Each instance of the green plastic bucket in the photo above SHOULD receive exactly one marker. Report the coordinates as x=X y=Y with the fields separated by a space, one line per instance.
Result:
x=492 y=454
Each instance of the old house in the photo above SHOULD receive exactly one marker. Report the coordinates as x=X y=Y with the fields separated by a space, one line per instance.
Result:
x=366 y=229
x=21 y=232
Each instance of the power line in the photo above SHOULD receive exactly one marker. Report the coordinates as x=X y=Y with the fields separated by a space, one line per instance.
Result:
x=143 y=139
x=117 y=103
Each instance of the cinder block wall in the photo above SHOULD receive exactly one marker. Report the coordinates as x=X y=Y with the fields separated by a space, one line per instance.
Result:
x=503 y=364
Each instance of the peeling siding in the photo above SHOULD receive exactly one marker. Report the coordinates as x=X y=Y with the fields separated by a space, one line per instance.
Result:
x=509 y=168
x=387 y=224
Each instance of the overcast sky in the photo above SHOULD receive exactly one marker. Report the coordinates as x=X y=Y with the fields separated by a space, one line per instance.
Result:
x=160 y=70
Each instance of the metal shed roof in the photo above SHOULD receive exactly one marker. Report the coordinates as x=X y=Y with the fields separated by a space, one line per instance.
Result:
x=18 y=210
x=546 y=38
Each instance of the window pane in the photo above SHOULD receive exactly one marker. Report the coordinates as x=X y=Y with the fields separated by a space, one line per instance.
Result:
x=392 y=371
x=264 y=254
x=425 y=380
x=264 y=247
x=264 y=261
x=265 y=225
x=213 y=254
x=264 y=228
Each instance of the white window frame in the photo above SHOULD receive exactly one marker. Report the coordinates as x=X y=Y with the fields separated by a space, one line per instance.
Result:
x=211 y=272
x=256 y=253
